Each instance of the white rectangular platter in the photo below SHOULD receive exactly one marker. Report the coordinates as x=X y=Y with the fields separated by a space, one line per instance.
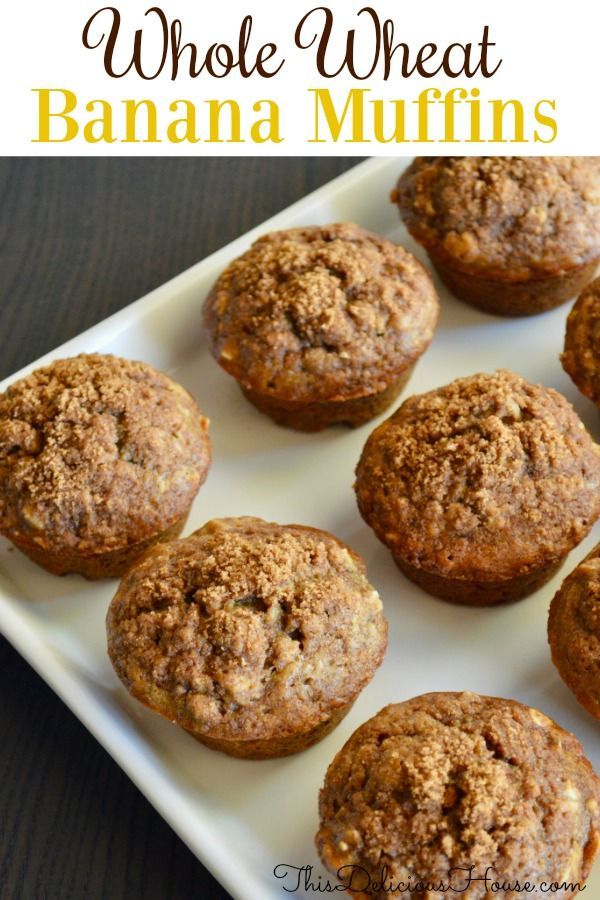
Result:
x=243 y=818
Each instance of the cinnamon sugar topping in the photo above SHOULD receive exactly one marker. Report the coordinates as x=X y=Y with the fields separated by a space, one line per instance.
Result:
x=458 y=780
x=485 y=477
x=97 y=452
x=321 y=313
x=247 y=629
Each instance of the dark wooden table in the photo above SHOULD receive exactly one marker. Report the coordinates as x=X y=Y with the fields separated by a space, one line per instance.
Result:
x=79 y=239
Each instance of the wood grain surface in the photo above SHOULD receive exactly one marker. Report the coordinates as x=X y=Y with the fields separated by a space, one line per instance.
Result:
x=79 y=239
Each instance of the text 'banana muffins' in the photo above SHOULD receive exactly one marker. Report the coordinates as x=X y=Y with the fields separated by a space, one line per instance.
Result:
x=99 y=458
x=447 y=781
x=254 y=637
x=581 y=357
x=480 y=488
x=574 y=632
x=321 y=325
x=512 y=235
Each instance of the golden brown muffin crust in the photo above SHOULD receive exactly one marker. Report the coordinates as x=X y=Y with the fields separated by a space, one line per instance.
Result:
x=581 y=357
x=511 y=217
x=574 y=631
x=456 y=780
x=247 y=629
x=97 y=452
x=485 y=478
x=321 y=313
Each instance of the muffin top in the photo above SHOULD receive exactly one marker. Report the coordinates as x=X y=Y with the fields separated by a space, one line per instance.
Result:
x=321 y=313
x=574 y=631
x=96 y=453
x=247 y=630
x=581 y=357
x=485 y=478
x=511 y=217
x=457 y=780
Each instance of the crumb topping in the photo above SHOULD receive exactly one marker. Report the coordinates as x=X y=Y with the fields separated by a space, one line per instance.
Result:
x=574 y=631
x=247 y=629
x=323 y=312
x=481 y=478
x=513 y=216
x=97 y=452
x=454 y=780
x=581 y=357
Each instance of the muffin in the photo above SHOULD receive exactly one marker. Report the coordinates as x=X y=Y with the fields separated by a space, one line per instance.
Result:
x=431 y=787
x=511 y=235
x=100 y=457
x=321 y=325
x=574 y=632
x=581 y=357
x=480 y=488
x=254 y=637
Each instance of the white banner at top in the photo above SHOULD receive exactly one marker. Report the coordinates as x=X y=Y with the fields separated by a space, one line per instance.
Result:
x=265 y=78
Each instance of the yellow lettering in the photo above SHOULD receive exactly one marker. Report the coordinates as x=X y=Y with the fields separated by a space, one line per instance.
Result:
x=475 y=117
x=188 y=132
x=45 y=115
x=104 y=123
x=451 y=98
x=214 y=133
x=131 y=122
x=355 y=105
x=423 y=102
x=397 y=134
x=498 y=108
x=271 y=123
x=546 y=121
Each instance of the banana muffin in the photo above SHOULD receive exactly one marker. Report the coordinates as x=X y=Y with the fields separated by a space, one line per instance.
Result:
x=480 y=488
x=574 y=632
x=254 y=637
x=431 y=787
x=512 y=235
x=581 y=357
x=321 y=325
x=100 y=457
